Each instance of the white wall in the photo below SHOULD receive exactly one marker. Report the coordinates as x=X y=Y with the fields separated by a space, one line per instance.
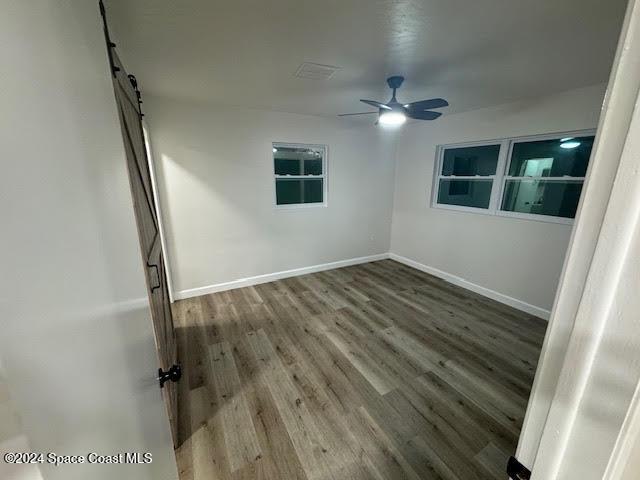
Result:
x=12 y=437
x=216 y=189
x=215 y=175
x=518 y=258
x=76 y=342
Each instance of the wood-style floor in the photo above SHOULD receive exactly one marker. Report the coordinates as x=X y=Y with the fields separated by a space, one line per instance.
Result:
x=376 y=371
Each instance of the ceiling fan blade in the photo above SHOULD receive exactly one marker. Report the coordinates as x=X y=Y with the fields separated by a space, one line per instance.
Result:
x=427 y=104
x=373 y=103
x=426 y=115
x=350 y=114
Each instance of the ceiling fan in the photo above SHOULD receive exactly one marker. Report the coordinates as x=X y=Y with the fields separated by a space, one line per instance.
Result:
x=396 y=113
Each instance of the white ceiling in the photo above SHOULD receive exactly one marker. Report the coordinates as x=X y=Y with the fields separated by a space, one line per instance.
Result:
x=474 y=53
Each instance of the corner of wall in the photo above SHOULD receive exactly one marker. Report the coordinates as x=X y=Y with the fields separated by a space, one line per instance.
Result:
x=395 y=158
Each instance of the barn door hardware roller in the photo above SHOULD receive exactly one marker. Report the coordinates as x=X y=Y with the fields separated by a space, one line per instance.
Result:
x=134 y=84
x=174 y=374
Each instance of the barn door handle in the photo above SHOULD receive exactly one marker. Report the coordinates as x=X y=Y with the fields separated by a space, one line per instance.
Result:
x=155 y=287
x=174 y=374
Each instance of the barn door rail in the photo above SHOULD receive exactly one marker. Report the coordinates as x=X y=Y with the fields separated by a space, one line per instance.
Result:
x=114 y=68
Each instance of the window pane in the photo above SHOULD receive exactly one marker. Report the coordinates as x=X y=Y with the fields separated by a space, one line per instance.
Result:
x=466 y=193
x=542 y=197
x=551 y=158
x=288 y=192
x=313 y=167
x=469 y=161
x=292 y=191
x=285 y=166
x=312 y=191
x=297 y=160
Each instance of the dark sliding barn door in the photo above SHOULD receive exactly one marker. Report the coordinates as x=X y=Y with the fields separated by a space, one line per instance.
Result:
x=127 y=99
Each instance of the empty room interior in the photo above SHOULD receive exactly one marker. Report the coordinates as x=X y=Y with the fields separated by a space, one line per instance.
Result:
x=320 y=240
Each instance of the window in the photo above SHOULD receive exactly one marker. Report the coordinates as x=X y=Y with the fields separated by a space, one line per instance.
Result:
x=299 y=174
x=467 y=174
x=535 y=177
x=545 y=177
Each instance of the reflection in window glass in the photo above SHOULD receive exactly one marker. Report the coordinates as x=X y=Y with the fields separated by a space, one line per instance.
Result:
x=542 y=197
x=465 y=193
x=551 y=158
x=471 y=161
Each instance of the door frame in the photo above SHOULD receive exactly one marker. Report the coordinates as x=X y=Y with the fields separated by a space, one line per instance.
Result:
x=568 y=358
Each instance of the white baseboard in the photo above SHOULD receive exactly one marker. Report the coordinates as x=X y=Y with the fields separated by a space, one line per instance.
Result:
x=270 y=277
x=461 y=282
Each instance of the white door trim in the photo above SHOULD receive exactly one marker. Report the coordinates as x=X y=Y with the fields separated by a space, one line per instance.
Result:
x=580 y=319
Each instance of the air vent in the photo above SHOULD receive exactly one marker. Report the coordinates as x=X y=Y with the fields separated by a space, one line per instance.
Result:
x=315 y=71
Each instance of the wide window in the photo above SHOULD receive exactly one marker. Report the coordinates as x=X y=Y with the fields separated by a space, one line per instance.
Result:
x=299 y=174
x=535 y=177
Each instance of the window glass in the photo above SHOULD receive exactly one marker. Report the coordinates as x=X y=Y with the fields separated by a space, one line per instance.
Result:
x=471 y=161
x=292 y=191
x=298 y=160
x=542 y=197
x=312 y=191
x=288 y=192
x=567 y=156
x=286 y=166
x=313 y=167
x=542 y=177
x=466 y=193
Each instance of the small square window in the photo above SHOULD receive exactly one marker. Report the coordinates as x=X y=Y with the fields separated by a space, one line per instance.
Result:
x=299 y=174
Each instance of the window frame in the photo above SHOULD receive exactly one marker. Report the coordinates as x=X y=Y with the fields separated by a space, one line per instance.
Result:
x=501 y=176
x=440 y=149
x=324 y=176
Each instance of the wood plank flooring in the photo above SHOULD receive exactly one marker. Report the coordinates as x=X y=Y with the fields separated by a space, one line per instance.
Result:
x=376 y=371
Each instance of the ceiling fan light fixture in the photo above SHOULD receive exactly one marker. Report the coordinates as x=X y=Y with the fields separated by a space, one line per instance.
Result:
x=392 y=118
x=393 y=113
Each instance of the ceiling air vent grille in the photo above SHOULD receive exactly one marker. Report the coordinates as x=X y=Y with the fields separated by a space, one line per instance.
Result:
x=315 y=71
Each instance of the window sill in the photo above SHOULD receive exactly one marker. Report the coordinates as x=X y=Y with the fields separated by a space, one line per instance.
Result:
x=501 y=213
x=300 y=206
